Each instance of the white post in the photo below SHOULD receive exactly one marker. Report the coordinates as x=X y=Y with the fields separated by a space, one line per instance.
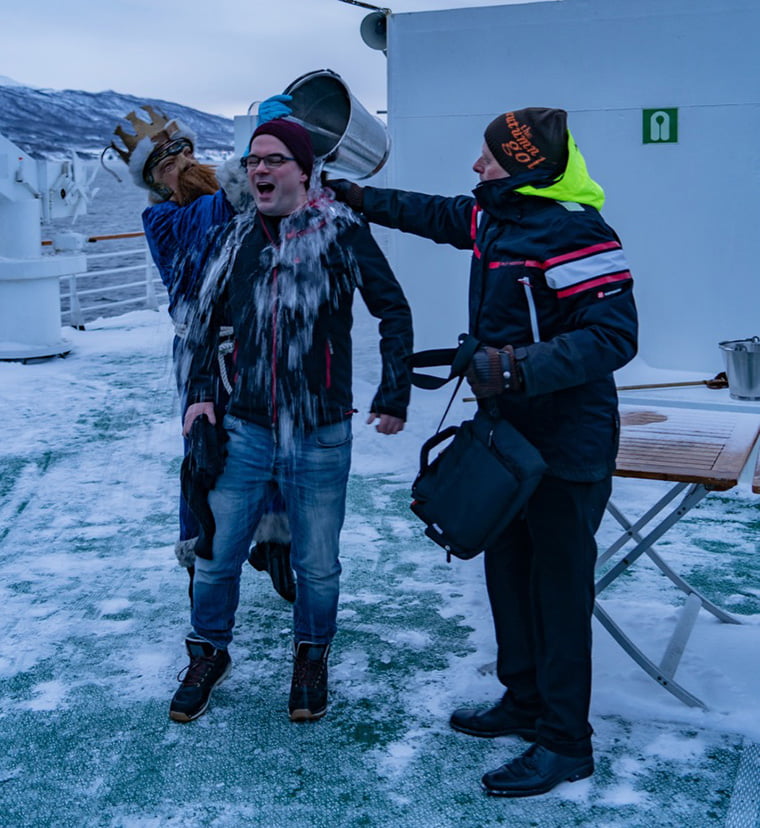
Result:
x=30 y=291
x=76 y=318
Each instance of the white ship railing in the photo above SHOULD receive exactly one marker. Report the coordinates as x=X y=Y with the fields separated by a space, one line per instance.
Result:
x=115 y=279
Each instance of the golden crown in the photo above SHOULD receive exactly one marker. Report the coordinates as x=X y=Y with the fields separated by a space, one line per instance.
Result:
x=159 y=129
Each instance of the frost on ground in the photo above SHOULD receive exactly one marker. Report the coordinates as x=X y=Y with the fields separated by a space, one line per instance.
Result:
x=93 y=608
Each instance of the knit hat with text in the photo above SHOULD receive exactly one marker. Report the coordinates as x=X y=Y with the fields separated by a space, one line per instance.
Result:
x=527 y=140
x=295 y=138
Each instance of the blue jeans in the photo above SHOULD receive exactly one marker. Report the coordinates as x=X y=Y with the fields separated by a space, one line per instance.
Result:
x=188 y=523
x=312 y=476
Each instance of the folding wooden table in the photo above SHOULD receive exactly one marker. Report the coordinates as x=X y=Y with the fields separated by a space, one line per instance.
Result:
x=700 y=451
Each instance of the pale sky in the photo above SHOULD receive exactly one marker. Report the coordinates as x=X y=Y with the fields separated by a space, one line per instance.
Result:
x=214 y=55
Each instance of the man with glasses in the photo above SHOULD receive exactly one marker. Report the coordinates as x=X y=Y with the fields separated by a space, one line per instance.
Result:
x=188 y=211
x=288 y=292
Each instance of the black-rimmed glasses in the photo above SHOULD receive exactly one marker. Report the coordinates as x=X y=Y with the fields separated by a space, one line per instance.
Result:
x=272 y=161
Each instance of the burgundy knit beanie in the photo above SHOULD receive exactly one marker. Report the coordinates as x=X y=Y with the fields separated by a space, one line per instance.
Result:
x=529 y=139
x=295 y=138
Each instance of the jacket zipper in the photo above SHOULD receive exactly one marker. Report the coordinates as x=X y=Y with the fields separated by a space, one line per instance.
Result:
x=274 y=325
x=274 y=346
x=477 y=218
x=525 y=282
x=328 y=363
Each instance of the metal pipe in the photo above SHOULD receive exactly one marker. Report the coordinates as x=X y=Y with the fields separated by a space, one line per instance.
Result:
x=659 y=385
x=367 y=6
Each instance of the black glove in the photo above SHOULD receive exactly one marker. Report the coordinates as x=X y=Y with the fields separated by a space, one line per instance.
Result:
x=274 y=557
x=347 y=192
x=492 y=371
x=207 y=450
x=202 y=465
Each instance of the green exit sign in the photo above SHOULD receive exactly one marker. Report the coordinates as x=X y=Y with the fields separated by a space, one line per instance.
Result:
x=660 y=126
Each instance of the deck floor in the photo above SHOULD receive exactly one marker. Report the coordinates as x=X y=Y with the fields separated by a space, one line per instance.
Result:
x=94 y=612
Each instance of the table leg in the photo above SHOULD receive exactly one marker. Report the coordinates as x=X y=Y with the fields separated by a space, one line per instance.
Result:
x=664 y=672
x=696 y=493
x=656 y=672
x=633 y=528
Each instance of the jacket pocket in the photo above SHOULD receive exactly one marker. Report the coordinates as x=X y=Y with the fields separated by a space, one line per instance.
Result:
x=231 y=423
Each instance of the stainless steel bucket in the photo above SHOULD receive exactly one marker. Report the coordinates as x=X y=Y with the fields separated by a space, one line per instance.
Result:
x=345 y=136
x=742 y=361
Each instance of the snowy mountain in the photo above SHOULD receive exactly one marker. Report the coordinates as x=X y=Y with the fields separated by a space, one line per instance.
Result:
x=50 y=121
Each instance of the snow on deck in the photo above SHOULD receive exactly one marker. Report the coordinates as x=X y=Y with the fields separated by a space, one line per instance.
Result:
x=94 y=612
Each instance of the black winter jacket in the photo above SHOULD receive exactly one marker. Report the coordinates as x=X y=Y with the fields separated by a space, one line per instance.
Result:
x=550 y=279
x=288 y=296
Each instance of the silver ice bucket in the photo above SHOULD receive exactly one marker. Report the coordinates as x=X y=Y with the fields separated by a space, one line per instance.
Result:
x=742 y=361
x=345 y=136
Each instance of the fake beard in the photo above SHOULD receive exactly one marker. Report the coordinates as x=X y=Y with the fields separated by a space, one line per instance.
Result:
x=194 y=181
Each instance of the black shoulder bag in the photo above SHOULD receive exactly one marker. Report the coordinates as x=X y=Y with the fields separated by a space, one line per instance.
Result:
x=473 y=489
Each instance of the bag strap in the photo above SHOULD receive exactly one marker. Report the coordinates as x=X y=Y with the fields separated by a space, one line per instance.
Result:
x=432 y=442
x=458 y=358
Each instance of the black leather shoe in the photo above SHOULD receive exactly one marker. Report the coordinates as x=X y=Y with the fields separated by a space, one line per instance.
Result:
x=500 y=720
x=537 y=771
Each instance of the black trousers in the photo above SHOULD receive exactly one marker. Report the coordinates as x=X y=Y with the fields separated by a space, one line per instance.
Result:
x=540 y=579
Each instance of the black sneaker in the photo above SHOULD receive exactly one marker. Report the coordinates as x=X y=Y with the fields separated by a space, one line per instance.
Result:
x=274 y=557
x=308 y=689
x=208 y=667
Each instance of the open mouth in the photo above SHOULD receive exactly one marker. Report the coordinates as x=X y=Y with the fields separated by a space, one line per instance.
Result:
x=264 y=187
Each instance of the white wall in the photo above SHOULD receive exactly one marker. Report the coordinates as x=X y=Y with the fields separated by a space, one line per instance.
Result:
x=687 y=212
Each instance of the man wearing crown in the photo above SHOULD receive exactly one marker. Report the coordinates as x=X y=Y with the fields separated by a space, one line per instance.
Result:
x=187 y=212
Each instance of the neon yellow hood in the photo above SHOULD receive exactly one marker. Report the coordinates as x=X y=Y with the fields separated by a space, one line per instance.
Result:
x=575 y=184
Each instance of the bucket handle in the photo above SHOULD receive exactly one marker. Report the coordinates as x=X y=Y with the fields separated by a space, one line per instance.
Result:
x=738 y=344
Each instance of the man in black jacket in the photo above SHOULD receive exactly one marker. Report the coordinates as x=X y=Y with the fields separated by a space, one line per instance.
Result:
x=551 y=301
x=188 y=209
x=294 y=264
